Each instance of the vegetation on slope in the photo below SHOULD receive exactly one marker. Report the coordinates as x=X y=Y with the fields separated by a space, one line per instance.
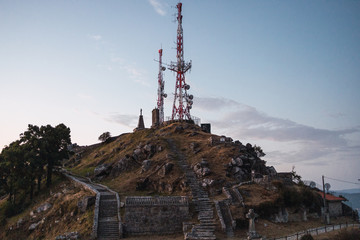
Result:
x=62 y=215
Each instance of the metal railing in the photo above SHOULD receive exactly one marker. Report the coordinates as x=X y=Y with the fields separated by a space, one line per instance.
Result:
x=317 y=231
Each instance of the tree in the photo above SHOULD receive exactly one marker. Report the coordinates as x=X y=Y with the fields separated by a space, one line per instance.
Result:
x=53 y=146
x=31 y=140
x=259 y=151
x=13 y=170
x=104 y=137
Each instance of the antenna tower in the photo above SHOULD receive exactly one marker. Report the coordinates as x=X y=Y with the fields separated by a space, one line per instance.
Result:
x=180 y=111
x=161 y=94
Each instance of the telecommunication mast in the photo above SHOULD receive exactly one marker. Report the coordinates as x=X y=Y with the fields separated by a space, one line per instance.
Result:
x=161 y=94
x=182 y=101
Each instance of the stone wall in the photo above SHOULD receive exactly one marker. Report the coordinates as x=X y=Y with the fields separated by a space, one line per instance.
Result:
x=335 y=209
x=155 y=215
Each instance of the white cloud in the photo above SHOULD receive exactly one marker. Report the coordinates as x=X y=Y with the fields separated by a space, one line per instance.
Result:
x=124 y=119
x=96 y=37
x=290 y=141
x=158 y=6
x=136 y=74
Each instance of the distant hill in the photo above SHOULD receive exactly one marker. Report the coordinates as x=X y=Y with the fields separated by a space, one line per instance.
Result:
x=353 y=199
x=349 y=191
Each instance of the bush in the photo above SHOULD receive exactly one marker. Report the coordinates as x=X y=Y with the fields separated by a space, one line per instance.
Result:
x=104 y=137
x=291 y=197
x=266 y=209
x=307 y=237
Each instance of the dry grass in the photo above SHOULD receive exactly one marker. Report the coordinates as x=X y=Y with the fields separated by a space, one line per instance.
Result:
x=62 y=217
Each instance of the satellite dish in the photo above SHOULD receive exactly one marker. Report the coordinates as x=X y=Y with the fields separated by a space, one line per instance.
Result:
x=312 y=184
x=165 y=95
x=327 y=186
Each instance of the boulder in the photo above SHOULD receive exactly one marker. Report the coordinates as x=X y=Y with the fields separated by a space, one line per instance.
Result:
x=34 y=226
x=208 y=182
x=137 y=151
x=281 y=217
x=145 y=165
x=85 y=203
x=237 y=162
x=103 y=169
x=166 y=169
x=20 y=222
x=205 y=171
x=43 y=207
x=149 y=148
x=69 y=236
x=123 y=164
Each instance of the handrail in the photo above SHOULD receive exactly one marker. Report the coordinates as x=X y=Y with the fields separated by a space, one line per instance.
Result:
x=317 y=231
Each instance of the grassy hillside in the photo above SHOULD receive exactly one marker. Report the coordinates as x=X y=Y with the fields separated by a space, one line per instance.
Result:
x=62 y=216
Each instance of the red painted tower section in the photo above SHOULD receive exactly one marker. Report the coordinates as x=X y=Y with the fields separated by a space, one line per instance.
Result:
x=182 y=101
x=161 y=93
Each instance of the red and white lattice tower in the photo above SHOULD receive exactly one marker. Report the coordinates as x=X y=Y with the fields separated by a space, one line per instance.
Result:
x=161 y=93
x=182 y=101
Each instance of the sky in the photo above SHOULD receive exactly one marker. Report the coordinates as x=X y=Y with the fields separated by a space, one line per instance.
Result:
x=284 y=75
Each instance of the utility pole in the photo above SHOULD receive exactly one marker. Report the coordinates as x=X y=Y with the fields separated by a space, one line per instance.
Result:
x=326 y=210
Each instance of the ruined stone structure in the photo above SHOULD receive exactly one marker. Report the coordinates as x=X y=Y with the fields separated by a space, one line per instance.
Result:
x=155 y=215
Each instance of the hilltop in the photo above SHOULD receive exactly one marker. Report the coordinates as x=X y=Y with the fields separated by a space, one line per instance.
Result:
x=124 y=162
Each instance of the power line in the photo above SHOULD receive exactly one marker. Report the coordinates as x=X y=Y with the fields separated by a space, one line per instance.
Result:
x=344 y=181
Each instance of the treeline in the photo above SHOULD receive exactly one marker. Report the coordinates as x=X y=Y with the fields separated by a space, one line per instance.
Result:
x=26 y=162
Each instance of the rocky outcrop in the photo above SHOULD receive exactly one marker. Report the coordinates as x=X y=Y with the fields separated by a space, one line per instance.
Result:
x=202 y=169
x=85 y=203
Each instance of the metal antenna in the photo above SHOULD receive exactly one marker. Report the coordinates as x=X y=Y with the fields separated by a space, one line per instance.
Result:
x=161 y=93
x=181 y=98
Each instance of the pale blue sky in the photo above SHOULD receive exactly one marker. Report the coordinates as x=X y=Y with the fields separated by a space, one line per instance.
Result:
x=284 y=75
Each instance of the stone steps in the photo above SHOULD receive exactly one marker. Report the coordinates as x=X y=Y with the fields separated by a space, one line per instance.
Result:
x=203 y=205
x=108 y=222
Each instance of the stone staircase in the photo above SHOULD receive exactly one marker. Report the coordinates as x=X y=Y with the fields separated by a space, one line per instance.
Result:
x=233 y=195
x=107 y=222
x=228 y=220
x=203 y=206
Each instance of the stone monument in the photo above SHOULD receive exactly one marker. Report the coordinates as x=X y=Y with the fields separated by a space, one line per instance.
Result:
x=141 y=124
x=252 y=234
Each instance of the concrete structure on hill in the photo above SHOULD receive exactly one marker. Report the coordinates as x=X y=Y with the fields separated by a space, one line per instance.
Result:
x=334 y=204
x=206 y=127
x=141 y=124
x=155 y=117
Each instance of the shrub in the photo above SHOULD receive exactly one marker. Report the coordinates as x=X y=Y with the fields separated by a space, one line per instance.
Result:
x=307 y=237
x=291 y=197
